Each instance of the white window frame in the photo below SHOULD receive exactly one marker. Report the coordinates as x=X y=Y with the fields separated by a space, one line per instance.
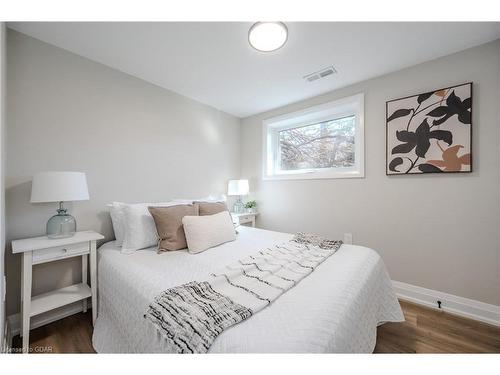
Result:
x=349 y=106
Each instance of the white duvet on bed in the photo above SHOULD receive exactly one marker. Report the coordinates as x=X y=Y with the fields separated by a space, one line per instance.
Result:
x=335 y=309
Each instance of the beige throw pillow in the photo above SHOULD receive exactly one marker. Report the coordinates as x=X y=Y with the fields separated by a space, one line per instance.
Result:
x=168 y=222
x=211 y=208
x=204 y=232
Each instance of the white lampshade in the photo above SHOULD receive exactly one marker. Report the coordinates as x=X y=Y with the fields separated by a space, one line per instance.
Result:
x=237 y=187
x=59 y=187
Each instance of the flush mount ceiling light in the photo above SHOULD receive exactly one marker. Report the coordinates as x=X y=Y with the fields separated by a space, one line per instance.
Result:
x=267 y=36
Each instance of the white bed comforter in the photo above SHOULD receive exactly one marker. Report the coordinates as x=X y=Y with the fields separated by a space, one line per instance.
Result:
x=336 y=309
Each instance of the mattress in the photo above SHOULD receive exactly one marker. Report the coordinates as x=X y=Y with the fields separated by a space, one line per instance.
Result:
x=336 y=309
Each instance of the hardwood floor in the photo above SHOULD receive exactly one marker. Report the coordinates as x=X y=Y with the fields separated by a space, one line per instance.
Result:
x=69 y=335
x=424 y=331
x=431 y=331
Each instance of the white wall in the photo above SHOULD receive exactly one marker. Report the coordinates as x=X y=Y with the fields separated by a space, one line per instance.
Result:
x=439 y=232
x=2 y=185
x=135 y=141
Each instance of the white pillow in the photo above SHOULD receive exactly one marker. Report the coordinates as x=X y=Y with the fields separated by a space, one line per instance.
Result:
x=139 y=226
x=204 y=232
x=117 y=218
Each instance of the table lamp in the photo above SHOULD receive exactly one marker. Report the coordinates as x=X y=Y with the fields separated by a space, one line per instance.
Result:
x=238 y=188
x=59 y=187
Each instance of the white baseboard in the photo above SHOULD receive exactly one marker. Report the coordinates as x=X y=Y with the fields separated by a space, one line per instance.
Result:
x=14 y=321
x=465 y=307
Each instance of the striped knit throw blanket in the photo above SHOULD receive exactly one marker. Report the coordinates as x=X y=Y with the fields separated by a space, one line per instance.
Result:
x=191 y=316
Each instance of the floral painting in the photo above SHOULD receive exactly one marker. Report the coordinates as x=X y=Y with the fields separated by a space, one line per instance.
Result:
x=430 y=132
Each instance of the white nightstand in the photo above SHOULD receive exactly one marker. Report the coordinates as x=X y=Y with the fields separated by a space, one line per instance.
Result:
x=244 y=218
x=42 y=250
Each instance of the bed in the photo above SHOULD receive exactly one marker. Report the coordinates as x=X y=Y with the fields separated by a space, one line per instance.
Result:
x=336 y=309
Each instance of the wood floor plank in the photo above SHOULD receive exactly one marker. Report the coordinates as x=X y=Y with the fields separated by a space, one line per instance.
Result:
x=69 y=335
x=424 y=331
x=431 y=331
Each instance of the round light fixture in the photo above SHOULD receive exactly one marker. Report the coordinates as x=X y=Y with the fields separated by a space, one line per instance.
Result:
x=267 y=36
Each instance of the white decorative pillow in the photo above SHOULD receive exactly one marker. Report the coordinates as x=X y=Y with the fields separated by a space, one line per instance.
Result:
x=204 y=232
x=117 y=218
x=139 y=226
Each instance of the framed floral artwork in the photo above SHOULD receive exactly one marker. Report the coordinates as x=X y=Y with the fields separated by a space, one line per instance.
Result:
x=430 y=132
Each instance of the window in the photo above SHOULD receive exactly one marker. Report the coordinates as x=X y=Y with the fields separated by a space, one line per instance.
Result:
x=324 y=141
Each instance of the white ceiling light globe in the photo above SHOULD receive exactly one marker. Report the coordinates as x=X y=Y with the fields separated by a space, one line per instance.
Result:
x=267 y=36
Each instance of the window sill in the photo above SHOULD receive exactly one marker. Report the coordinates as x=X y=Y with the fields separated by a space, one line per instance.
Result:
x=315 y=176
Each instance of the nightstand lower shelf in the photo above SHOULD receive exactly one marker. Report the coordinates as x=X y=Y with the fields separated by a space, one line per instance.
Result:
x=60 y=297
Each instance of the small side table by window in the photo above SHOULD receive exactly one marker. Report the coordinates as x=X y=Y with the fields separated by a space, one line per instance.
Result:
x=42 y=250
x=245 y=218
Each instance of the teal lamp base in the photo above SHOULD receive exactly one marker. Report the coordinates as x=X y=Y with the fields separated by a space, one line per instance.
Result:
x=238 y=207
x=62 y=225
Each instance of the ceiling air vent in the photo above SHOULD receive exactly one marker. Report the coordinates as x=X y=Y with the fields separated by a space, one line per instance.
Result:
x=320 y=74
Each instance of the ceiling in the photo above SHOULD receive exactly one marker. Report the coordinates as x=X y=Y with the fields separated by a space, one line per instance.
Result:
x=213 y=63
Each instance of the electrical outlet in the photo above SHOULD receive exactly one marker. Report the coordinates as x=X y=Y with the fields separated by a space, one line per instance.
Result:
x=348 y=238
